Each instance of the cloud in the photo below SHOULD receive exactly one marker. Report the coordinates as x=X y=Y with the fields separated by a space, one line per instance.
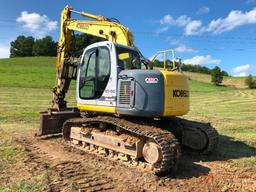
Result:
x=202 y=60
x=242 y=70
x=203 y=10
x=184 y=49
x=167 y=19
x=193 y=28
x=217 y=26
x=4 y=51
x=161 y=30
x=182 y=21
x=233 y=20
x=38 y=25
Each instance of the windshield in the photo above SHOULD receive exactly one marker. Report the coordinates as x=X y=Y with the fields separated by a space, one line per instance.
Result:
x=127 y=58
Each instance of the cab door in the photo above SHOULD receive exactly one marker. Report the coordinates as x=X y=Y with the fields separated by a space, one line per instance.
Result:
x=94 y=74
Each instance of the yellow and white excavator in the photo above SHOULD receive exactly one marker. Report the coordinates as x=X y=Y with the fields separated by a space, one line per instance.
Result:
x=126 y=109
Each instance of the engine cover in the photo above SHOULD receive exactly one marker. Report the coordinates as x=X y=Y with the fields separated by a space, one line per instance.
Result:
x=141 y=93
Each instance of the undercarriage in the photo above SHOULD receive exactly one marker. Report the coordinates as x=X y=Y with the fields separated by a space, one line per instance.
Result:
x=149 y=144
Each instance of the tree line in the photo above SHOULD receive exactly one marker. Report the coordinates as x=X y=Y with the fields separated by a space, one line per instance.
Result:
x=27 y=46
x=189 y=67
x=24 y=46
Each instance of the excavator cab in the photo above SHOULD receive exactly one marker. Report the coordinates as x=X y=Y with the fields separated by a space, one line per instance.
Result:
x=111 y=80
x=97 y=77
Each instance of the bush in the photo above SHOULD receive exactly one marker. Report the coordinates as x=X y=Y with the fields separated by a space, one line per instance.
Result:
x=217 y=76
x=250 y=82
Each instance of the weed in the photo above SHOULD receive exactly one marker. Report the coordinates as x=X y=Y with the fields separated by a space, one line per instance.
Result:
x=8 y=152
x=25 y=187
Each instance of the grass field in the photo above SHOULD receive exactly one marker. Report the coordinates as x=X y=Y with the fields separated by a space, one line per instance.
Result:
x=237 y=82
x=25 y=90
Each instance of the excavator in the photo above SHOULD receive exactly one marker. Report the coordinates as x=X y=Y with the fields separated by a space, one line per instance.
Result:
x=127 y=109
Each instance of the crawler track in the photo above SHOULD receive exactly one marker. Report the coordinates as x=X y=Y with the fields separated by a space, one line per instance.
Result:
x=167 y=142
x=212 y=136
x=205 y=130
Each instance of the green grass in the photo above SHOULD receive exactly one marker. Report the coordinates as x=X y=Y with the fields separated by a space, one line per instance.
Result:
x=25 y=90
x=38 y=72
x=8 y=152
x=238 y=82
x=199 y=86
x=23 y=187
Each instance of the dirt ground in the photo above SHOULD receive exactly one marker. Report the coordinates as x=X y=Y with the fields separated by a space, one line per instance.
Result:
x=65 y=170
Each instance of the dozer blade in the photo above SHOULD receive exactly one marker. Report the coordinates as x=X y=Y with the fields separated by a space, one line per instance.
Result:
x=52 y=120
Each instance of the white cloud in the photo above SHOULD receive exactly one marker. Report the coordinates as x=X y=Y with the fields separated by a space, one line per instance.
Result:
x=161 y=30
x=233 y=20
x=193 y=28
x=184 y=49
x=4 y=51
x=202 y=60
x=182 y=21
x=242 y=70
x=203 y=10
x=242 y=74
x=38 y=25
x=167 y=19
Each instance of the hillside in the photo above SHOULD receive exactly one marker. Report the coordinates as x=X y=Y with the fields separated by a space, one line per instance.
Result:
x=39 y=72
x=237 y=82
x=33 y=72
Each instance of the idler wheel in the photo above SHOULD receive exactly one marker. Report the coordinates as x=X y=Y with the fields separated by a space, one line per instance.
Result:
x=152 y=153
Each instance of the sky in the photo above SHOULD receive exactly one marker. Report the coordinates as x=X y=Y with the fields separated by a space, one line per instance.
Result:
x=205 y=32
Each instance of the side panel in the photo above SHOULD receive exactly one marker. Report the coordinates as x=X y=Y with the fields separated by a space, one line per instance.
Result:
x=176 y=93
x=140 y=93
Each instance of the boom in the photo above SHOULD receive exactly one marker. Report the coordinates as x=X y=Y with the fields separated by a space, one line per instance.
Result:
x=98 y=26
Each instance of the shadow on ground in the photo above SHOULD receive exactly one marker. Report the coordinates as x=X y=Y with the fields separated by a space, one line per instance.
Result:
x=188 y=169
x=227 y=149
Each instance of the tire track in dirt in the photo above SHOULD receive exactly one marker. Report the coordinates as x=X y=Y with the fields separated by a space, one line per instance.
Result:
x=64 y=172
x=68 y=170
x=71 y=171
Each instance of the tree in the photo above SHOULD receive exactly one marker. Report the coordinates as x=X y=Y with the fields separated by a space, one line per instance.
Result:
x=45 y=47
x=250 y=82
x=22 y=46
x=81 y=41
x=217 y=76
x=224 y=73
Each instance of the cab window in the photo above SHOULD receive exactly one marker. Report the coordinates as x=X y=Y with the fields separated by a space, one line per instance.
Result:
x=127 y=58
x=94 y=73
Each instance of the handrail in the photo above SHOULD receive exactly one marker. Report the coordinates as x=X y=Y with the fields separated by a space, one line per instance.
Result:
x=165 y=52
